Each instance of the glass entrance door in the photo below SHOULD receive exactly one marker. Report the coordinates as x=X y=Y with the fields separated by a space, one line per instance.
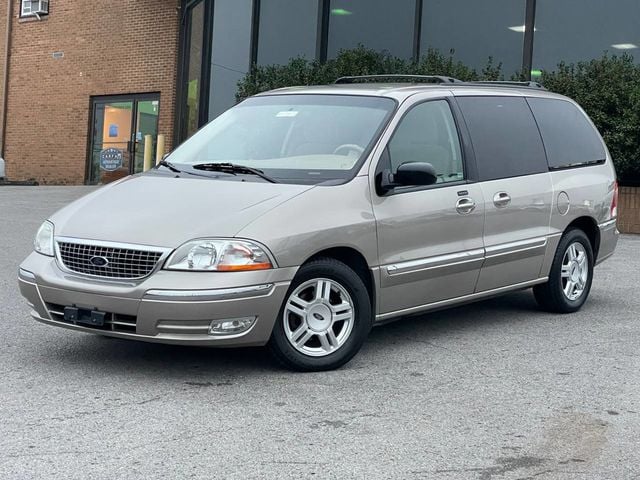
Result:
x=118 y=128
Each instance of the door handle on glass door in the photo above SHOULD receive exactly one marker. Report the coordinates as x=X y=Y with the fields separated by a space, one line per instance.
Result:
x=465 y=206
x=501 y=199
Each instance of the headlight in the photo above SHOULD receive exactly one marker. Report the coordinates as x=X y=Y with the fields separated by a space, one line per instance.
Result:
x=43 y=242
x=219 y=255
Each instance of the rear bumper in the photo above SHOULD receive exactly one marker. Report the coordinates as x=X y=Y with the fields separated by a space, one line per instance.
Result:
x=168 y=307
x=608 y=240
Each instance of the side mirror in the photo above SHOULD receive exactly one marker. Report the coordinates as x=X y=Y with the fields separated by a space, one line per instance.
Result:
x=416 y=173
x=409 y=174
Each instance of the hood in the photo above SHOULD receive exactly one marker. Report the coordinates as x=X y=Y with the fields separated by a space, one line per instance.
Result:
x=165 y=211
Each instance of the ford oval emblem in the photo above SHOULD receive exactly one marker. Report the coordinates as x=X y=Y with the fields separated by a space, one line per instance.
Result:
x=99 y=261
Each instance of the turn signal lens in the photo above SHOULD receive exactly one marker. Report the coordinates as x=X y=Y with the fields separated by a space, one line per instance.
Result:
x=219 y=255
x=238 y=257
x=614 y=201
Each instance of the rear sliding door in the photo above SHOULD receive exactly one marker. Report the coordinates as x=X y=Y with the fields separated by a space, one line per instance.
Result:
x=516 y=187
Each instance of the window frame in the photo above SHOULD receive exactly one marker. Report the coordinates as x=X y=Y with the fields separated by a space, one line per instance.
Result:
x=31 y=14
x=467 y=155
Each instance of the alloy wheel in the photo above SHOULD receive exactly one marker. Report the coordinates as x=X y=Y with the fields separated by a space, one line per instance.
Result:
x=575 y=271
x=319 y=317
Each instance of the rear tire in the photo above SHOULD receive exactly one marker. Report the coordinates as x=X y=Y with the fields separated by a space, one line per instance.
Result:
x=324 y=319
x=571 y=275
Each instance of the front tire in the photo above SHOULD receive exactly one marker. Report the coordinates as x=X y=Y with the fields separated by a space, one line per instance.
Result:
x=325 y=318
x=570 y=277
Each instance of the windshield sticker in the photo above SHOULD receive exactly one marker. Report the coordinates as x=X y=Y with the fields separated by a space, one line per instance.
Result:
x=287 y=114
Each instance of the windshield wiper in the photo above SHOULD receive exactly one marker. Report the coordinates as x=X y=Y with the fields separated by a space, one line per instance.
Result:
x=175 y=169
x=234 y=169
x=170 y=166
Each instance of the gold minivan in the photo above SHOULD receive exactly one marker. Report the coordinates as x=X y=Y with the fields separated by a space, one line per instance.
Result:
x=304 y=216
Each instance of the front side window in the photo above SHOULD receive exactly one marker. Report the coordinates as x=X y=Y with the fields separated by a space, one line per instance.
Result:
x=505 y=137
x=428 y=133
x=292 y=138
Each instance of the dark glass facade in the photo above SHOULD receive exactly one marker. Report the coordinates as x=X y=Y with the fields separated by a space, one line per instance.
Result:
x=221 y=39
x=473 y=31
x=576 y=30
x=379 y=24
x=287 y=29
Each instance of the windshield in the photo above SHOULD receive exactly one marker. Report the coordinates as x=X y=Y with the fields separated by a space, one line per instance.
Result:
x=292 y=138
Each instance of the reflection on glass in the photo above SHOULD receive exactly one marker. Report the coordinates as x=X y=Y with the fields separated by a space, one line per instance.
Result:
x=230 y=52
x=296 y=138
x=111 y=129
x=377 y=24
x=146 y=124
x=288 y=29
x=120 y=126
x=473 y=31
x=194 y=69
x=577 y=30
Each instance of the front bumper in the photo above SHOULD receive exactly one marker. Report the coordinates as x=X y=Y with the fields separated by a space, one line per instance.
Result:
x=167 y=307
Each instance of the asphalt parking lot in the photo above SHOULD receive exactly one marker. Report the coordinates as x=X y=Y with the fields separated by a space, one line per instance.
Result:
x=495 y=390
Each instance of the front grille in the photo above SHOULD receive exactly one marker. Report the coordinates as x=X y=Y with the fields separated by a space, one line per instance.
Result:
x=108 y=262
x=115 y=322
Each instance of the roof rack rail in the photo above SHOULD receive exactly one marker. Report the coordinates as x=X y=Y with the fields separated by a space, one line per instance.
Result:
x=422 y=78
x=506 y=83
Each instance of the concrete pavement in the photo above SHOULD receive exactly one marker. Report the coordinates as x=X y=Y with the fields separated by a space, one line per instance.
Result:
x=494 y=390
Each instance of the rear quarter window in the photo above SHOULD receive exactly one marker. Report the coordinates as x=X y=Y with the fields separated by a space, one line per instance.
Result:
x=505 y=137
x=569 y=138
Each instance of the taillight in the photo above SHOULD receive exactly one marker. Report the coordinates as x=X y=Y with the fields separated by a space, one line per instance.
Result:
x=614 y=201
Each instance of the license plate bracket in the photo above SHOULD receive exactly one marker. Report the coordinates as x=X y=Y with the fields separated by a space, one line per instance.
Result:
x=83 y=316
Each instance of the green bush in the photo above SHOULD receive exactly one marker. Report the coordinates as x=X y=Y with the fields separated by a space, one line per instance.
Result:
x=607 y=88
x=358 y=61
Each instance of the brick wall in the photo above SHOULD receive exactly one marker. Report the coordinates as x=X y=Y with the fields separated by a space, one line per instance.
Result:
x=3 y=33
x=629 y=210
x=110 y=47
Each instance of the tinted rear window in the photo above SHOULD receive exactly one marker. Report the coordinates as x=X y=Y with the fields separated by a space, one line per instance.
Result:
x=568 y=136
x=505 y=137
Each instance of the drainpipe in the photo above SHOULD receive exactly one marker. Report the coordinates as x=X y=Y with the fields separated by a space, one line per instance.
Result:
x=5 y=83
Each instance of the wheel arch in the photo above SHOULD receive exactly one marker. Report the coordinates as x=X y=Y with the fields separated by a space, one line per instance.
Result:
x=589 y=226
x=354 y=260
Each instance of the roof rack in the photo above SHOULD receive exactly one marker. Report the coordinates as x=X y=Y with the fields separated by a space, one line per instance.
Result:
x=422 y=78
x=505 y=83
x=437 y=79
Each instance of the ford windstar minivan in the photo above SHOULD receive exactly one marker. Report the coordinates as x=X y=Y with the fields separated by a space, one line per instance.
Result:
x=304 y=216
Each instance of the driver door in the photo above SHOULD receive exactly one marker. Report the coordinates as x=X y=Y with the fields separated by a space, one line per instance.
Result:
x=429 y=238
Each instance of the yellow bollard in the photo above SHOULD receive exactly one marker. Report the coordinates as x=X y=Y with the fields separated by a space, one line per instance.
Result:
x=160 y=149
x=148 y=152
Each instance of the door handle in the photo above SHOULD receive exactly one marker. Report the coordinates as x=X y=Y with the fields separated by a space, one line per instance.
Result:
x=501 y=199
x=465 y=206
